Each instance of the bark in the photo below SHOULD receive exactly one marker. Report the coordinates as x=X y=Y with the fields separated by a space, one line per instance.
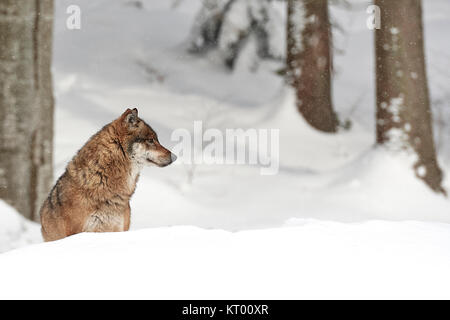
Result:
x=403 y=104
x=26 y=103
x=309 y=61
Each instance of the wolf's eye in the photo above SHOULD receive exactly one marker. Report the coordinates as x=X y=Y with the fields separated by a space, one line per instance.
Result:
x=151 y=141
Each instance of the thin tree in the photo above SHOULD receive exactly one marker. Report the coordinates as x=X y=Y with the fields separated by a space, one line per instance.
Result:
x=403 y=104
x=309 y=61
x=26 y=103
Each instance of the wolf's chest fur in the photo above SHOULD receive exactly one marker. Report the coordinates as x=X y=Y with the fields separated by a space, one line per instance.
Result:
x=133 y=176
x=111 y=212
x=105 y=221
x=111 y=215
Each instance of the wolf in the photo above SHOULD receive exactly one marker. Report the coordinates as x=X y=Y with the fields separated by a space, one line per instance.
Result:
x=94 y=192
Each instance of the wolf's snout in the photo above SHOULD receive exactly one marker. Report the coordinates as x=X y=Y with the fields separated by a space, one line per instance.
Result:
x=166 y=160
x=169 y=160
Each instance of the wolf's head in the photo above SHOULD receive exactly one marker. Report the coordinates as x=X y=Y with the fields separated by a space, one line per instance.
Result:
x=142 y=143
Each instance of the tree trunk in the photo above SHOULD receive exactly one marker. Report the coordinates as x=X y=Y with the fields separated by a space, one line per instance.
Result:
x=309 y=61
x=26 y=103
x=403 y=105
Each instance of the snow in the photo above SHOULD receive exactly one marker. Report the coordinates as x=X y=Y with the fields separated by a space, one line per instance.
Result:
x=397 y=137
x=232 y=25
x=341 y=219
x=16 y=231
x=394 y=31
x=421 y=171
x=307 y=259
x=298 y=21
x=236 y=22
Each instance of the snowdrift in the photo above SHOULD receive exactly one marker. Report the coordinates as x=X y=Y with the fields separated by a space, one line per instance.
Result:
x=16 y=231
x=307 y=259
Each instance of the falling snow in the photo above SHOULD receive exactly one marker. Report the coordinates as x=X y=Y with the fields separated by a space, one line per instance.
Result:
x=397 y=138
x=421 y=171
x=394 y=31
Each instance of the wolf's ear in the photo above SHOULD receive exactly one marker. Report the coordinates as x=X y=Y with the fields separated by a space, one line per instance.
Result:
x=130 y=117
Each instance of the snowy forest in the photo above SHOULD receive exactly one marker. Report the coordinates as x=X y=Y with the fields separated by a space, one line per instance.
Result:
x=269 y=149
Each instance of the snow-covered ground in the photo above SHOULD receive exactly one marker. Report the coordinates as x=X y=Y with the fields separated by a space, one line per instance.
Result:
x=316 y=259
x=16 y=231
x=328 y=191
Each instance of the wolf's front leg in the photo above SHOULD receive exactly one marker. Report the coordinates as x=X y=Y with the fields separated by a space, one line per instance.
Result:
x=127 y=216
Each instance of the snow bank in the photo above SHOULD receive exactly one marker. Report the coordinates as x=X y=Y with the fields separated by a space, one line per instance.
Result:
x=309 y=259
x=15 y=231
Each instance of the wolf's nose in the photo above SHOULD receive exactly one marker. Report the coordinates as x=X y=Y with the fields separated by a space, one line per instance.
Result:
x=173 y=157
